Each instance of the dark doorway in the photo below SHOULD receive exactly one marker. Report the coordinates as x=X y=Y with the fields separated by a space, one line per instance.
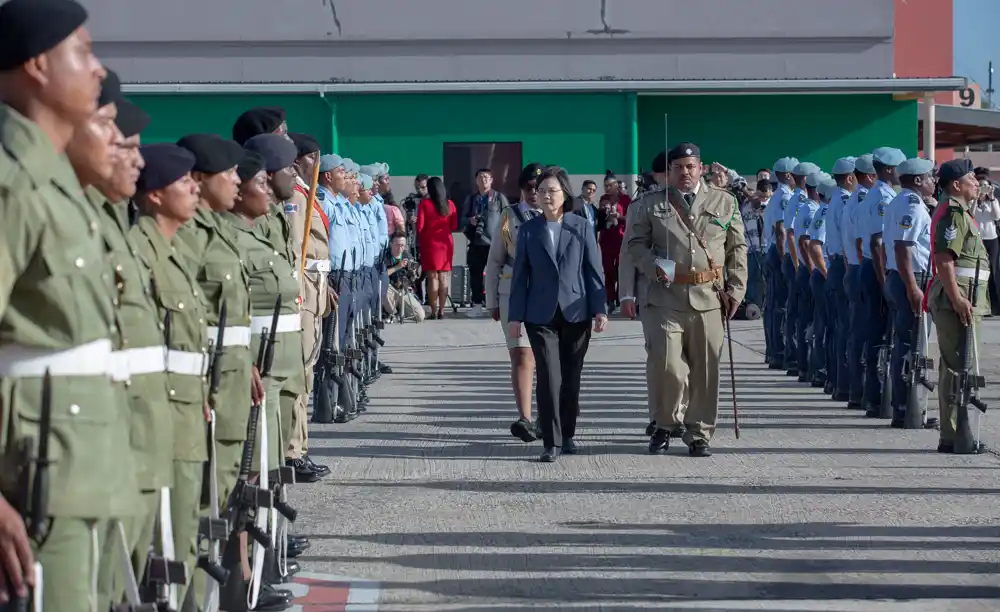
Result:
x=462 y=159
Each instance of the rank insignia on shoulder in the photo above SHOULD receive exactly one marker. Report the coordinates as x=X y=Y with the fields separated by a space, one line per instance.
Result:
x=906 y=222
x=881 y=209
x=819 y=223
x=822 y=211
x=802 y=197
x=844 y=197
x=951 y=233
x=914 y=199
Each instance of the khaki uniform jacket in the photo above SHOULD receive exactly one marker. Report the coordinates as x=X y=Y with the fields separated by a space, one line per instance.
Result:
x=315 y=299
x=218 y=264
x=178 y=294
x=55 y=296
x=271 y=276
x=657 y=232
x=137 y=325
x=956 y=232
x=500 y=262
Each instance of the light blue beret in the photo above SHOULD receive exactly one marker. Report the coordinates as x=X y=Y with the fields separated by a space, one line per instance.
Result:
x=805 y=169
x=385 y=168
x=815 y=179
x=351 y=166
x=365 y=181
x=369 y=169
x=330 y=161
x=844 y=165
x=785 y=164
x=864 y=164
x=888 y=156
x=828 y=187
x=915 y=167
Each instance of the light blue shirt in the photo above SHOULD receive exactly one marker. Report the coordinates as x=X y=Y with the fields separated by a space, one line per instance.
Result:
x=366 y=228
x=341 y=235
x=908 y=222
x=797 y=199
x=872 y=214
x=383 y=224
x=849 y=224
x=774 y=212
x=803 y=223
x=825 y=228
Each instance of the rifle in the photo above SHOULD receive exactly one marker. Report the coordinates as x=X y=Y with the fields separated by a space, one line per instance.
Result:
x=967 y=382
x=248 y=501
x=330 y=373
x=213 y=529
x=884 y=368
x=915 y=367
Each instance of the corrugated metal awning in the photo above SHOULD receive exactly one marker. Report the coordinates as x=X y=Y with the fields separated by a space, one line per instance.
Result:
x=645 y=87
x=960 y=126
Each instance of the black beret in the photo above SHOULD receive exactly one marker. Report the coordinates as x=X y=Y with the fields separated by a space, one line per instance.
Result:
x=529 y=173
x=684 y=149
x=278 y=152
x=304 y=143
x=165 y=164
x=111 y=89
x=256 y=121
x=212 y=153
x=250 y=165
x=131 y=119
x=660 y=162
x=955 y=169
x=29 y=28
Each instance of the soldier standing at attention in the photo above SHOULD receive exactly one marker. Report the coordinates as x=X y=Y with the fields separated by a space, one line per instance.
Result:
x=836 y=243
x=696 y=251
x=958 y=248
x=824 y=366
x=777 y=287
x=907 y=239
x=55 y=313
x=864 y=172
x=808 y=207
x=168 y=198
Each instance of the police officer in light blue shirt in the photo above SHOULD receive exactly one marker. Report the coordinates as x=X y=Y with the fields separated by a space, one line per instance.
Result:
x=791 y=263
x=864 y=173
x=836 y=245
x=776 y=300
x=876 y=311
x=333 y=182
x=802 y=229
x=820 y=237
x=907 y=240
x=377 y=171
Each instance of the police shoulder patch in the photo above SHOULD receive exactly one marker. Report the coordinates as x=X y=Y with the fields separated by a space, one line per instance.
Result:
x=906 y=222
x=818 y=224
x=881 y=209
x=290 y=207
x=844 y=197
x=822 y=211
x=802 y=197
x=914 y=199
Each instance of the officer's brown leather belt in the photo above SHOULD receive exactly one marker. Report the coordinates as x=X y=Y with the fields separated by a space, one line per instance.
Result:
x=698 y=278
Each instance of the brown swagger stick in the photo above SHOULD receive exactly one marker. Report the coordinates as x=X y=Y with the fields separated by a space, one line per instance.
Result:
x=310 y=202
x=717 y=278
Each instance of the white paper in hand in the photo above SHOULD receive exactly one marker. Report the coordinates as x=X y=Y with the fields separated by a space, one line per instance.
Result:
x=667 y=266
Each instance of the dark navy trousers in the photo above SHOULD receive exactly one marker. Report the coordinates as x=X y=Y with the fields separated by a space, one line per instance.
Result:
x=791 y=311
x=774 y=308
x=876 y=318
x=803 y=320
x=855 y=335
x=903 y=322
x=821 y=327
x=839 y=320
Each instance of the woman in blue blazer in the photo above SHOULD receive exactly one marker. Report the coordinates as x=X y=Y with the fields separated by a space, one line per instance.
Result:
x=557 y=289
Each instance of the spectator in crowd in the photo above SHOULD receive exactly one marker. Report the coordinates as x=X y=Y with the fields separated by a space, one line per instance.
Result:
x=436 y=220
x=765 y=175
x=584 y=204
x=616 y=190
x=610 y=232
x=409 y=206
x=404 y=272
x=480 y=217
x=987 y=214
x=752 y=211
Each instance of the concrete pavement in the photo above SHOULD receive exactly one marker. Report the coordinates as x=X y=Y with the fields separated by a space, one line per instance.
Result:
x=814 y=508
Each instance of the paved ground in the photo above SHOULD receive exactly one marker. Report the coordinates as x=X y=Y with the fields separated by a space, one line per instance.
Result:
x=815 y=508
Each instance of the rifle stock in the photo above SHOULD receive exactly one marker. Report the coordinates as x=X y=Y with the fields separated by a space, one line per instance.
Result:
x=967 y=381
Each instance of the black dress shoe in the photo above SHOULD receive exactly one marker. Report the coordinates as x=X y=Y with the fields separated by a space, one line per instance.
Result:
x=855 y=405
x=873 y=411
x=548 y=455
x=792 y=372
x=828 y=388
x=384 y=369
x=840 y=396
x=678 y=432
x=650 y=428
x=775 y=366
x=523 y=430
x=321 y=470
x=660 y=441
x=803 y=378
x=699 y=448
x=570 y=447
x=303 y=473
x=273 y=600
x=295 y=549
x=291 y=568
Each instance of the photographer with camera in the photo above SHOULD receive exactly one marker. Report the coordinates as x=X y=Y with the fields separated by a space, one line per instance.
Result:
x=404 y=272
x=987 y=213
x=481 y=214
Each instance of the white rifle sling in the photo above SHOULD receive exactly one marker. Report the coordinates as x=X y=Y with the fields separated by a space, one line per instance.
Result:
x=257 y=570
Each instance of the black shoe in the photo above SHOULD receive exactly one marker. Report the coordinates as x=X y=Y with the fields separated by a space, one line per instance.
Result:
x=321 y=470
x=570 y=447
x=803 y=378
x=827 y=387
x=946 y=447
x=384 y=369
x=699 y=448
x=855 y=405
x=660 y=441
x=296 y=548
x=792 y=372
x=873 y=411
x=840 y=396
x=273 y=600
x=548 y=455
x=303 y=473
x=650 y=428
x=678 y=432
x=930 y=422
x=291 y=568
x=523 y=430
x=775 y=366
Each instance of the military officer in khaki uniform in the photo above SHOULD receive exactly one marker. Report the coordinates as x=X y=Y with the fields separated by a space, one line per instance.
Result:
x=139 y=372
x=168 y=198
x=690 y=257
x=315 y=298
x=958 y=248
x=55 y=308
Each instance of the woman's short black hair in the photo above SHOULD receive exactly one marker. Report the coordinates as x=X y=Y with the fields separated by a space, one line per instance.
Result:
x=562 y=177
x=437 y=194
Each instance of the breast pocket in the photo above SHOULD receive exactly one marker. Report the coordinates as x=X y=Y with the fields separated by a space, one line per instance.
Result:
x=222 y=281
x=262 y=270
x=186 y=333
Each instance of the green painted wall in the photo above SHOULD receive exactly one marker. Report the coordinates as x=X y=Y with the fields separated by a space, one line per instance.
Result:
x=751 y=132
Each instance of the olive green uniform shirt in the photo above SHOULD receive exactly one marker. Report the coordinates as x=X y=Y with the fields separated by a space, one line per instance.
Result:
x=137 y=325
x=54 y=296
x=217 y=262
x=178 y=297
x=956 y=232
x=271 y=275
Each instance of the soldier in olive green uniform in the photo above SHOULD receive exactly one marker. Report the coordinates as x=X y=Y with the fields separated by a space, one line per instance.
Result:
x=168 y=198
x=139 y=372
x=55 y=309
x=958 y=248
x=681 y=320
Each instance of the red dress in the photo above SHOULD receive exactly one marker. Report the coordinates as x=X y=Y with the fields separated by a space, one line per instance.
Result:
x=434 y=236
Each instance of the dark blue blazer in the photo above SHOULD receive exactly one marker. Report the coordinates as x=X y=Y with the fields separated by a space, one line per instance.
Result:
x=573 y=281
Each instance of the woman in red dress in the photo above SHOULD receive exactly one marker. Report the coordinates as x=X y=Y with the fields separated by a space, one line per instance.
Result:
x=436 y=220
x=610 y=233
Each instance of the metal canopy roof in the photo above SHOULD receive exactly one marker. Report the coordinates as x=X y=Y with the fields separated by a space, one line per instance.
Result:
x=645 y=87
x=958 y=126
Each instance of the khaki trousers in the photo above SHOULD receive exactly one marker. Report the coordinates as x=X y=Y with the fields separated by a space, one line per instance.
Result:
x=139 y=536
x=298 y=433
x=949 y=331
x=683 y=352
